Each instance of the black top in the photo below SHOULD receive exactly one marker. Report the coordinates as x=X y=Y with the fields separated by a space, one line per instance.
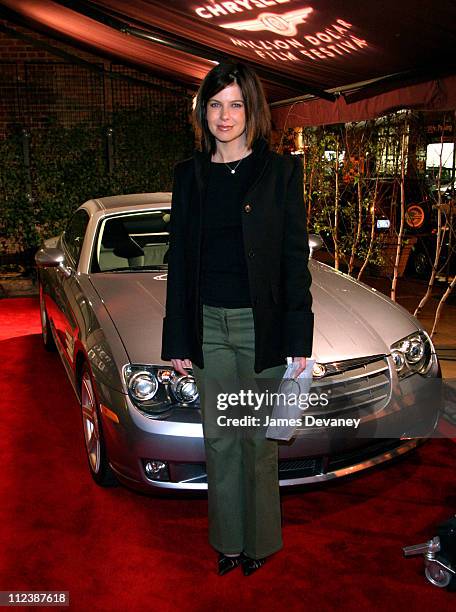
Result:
x=224 y=278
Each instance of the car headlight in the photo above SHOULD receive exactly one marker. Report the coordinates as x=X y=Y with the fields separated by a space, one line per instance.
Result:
x=412 y=354
x=143 y=385
x=155 y=389
x=184 y=389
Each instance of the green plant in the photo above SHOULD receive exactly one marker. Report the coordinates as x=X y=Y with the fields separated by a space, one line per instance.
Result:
x=67 y=168
x=17 y=214
x=339 y=192
x=71 y=164
x=147 y=144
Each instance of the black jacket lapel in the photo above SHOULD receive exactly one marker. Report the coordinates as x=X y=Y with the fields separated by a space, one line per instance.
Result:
x=261 y=160
x=202 y=164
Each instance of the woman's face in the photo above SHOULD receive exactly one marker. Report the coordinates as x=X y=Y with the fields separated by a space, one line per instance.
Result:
x=225 y=115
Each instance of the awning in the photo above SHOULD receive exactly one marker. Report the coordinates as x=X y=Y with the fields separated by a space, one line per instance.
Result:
x=329 y=49
x=437 y=95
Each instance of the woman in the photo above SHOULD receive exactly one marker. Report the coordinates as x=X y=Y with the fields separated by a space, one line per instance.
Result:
x=238 y=298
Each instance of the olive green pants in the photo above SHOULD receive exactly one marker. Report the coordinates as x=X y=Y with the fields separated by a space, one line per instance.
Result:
x=242 y=465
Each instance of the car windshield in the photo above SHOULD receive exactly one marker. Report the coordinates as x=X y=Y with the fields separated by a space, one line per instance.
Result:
x=132 y=242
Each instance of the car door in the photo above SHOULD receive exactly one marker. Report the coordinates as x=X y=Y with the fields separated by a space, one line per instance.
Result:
x=67 y=288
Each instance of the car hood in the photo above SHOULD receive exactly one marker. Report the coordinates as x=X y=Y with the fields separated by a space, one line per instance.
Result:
x=351 y=319
x=135 y=302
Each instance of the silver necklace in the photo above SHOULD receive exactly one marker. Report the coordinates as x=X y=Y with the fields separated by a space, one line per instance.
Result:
x=233 y=170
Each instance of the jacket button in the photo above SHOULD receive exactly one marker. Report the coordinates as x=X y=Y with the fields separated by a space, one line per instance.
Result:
x=251 y=253
x=247 y=208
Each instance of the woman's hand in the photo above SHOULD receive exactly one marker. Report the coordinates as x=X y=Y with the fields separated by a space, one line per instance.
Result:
x=301 y=361
x=180 y=364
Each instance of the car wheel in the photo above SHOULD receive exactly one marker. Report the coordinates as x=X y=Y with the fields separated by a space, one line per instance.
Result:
x=93 y=433
x=46 y=332
x=421 y=265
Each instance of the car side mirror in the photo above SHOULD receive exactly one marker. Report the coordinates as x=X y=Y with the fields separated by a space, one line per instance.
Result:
x=52 y=258
x=315 y=243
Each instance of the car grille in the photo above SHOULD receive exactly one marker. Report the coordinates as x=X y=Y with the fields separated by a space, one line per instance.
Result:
x=359 y=384
x=316 y=466
x=300 y=468
x=306 y=467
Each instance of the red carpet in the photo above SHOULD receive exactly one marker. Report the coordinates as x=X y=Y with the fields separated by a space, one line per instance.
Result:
x=117 y=550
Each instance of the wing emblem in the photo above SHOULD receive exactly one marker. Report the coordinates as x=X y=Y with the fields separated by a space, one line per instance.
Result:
x=279 y=24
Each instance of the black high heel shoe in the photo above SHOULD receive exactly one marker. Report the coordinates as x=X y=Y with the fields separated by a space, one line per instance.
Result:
x=251 y=565
x=226 y=564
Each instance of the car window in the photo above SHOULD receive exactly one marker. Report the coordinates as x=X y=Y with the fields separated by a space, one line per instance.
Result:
x=132 y=242
x=74 y=234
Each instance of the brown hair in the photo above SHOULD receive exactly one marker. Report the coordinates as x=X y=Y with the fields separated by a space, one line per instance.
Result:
x=258 y=116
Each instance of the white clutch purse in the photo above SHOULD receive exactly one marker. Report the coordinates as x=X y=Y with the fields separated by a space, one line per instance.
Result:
x=287 y=412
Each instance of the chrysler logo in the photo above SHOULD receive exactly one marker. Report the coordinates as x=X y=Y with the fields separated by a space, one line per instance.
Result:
x=284 y=24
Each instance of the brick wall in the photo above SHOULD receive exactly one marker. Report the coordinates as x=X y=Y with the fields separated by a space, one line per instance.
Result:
x=36 y=85
x=69 y=88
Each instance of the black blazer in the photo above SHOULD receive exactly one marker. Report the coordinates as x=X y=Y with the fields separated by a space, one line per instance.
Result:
x=277 y=250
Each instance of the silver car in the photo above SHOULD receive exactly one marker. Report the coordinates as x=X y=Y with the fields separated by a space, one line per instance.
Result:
x=102 y=294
